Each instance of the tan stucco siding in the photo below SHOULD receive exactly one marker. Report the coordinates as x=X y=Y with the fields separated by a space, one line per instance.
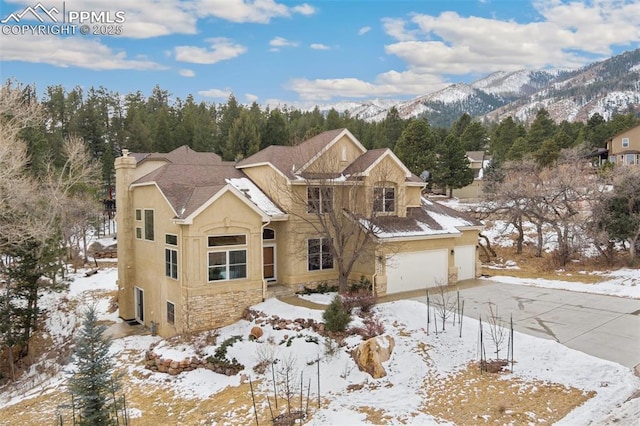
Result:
x=473 y=190
x=633 y=134
x=212 y=304
x=336 y=158
x=149 y=258
x=271 y=183
x=386 y=173
x=413 y=196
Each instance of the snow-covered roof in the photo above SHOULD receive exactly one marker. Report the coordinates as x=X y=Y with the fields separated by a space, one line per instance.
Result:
x=255 y=195
x=431 y=219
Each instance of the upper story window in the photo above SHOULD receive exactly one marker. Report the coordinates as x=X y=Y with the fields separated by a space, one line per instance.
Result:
x=384 y=199
x=227 y=263
x=319 y=199
x=148 y=225
x=625 y=142
x=138 y=214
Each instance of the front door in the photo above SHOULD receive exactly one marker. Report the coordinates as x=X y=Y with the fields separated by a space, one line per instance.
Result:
x=139 y=305
x=269 y=263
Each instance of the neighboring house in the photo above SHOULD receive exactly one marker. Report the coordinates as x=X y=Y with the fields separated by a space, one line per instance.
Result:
x=478 y=161
x=624 y=148
x=200 y=240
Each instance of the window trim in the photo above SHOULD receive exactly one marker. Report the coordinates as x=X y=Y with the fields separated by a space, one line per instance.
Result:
x=323 y=205
x=170 y=321
x=269 y=239
x=625 y=142
x=227 y=249
x=321 y=254
x=227 y=265
x=226 y=245
x=172 y=267
x=153 y=225
x=138 y=216
x=384 y=199
x=168 y=243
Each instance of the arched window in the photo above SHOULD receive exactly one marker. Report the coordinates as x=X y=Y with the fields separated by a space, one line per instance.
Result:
x=268 y=234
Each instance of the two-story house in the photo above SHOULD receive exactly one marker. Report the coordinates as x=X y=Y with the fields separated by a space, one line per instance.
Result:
x=624 y=148
x=200 y=240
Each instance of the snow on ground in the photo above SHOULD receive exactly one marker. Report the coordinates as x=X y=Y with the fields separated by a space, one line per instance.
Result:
x=401 y=394
x=623 y=283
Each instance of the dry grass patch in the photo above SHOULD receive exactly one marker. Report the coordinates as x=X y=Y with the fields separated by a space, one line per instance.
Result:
x=544 y=267
x=470 y=398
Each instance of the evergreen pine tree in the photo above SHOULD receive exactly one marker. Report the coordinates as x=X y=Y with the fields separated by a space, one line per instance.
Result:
x=94 y=384
x=416 y=147
x=452 y=170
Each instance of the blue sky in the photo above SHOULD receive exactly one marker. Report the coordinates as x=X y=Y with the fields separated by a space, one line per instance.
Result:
x=306 y=52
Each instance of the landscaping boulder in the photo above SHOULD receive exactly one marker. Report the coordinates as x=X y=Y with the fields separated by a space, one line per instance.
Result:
x=370 y=355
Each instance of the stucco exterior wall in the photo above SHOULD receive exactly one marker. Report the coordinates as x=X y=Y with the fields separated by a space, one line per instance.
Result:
x=336 y=158
x=615 y=145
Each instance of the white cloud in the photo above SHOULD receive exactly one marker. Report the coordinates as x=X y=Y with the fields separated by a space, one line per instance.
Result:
x=364 y=30
x=395 y=27
x=74 y=51
x=215 y=93
x=241 y=11
x=186 y=73
x=250 y=97
x=221 y=49
x=567 y=35
x=282 y=42
x=304 y=9
x=319 y=46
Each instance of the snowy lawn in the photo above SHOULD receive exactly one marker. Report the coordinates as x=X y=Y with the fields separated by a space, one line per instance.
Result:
x=431 y=379
x=623 y=283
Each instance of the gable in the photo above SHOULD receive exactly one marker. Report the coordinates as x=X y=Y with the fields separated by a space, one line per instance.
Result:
x=227 y=209
x=341 y=152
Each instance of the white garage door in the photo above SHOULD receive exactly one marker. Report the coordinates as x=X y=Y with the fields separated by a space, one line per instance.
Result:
x=465 y=261
x=416 y=270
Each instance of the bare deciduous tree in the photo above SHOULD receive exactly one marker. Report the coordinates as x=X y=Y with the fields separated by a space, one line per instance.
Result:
x=556 y=197
x=341 y=210
x=497 y=329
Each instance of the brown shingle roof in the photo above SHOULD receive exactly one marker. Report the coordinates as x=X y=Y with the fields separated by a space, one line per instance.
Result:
x=427 y=220
x=180 y=155
x=365 y=161
x=189 y=186
x=287 y=159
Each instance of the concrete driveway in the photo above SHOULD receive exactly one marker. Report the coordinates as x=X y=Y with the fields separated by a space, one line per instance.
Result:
x=607 y=327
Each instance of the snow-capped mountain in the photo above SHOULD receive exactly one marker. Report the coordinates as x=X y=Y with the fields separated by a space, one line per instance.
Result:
x=606 y=87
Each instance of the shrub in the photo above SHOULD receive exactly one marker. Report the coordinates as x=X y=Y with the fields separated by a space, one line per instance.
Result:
x=372 y=327
x=336 y=316
x=363 y=285
x=362 y=299
x=321 y=288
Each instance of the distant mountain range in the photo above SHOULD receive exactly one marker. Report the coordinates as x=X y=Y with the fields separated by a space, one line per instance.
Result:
x=606 y=87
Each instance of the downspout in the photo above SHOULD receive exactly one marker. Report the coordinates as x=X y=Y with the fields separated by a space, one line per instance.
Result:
x=264 y=282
